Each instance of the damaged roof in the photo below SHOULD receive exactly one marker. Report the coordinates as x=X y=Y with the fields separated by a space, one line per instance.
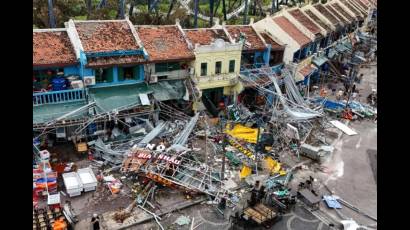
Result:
x=94 y=62
x=362 y=4
x=253 y=41
x=326 y=13
x=306 y=70
x=164 y=43
x=52 y=48
x=205 y=36
x=291 y=30
x=106 y=36
x=340 y=9
x=305 y=21
x=336 y=14
x=318 y=21
x=358 y=7
x=351 y=8
x=273 y=43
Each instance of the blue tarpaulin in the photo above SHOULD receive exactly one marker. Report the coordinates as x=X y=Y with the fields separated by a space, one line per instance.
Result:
x=331 y=202
x=328 y=104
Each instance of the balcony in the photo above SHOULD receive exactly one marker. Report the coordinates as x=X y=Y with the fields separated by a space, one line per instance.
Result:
x=57 y=97
x=172 y=75
x=216 y=81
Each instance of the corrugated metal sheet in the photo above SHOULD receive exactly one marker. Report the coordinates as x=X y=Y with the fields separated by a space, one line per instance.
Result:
x=168 y=90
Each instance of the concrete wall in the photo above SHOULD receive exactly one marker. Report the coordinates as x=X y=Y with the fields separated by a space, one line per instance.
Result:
x=267 y=24
x=211 y=54
x=171 y=75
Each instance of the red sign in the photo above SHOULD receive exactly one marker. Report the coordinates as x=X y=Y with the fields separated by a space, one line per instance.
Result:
x=160 y=157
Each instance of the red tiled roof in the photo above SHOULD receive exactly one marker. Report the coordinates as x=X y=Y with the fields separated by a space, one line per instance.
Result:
x=351 y=8
x=115 y=60
x=205 y=36
x=306 y=70
x=164 y=43
x=269 y=40
x=305 y=21
x=103 y=36
x=357 y=7
x=337 y=7
x=255 y=43
x=291 y=30
x=362 y=4
x=336 y=14
x=52 y=48
x=318 y=21
x=326 y=13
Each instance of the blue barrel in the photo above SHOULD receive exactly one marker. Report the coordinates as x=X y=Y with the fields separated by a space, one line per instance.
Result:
x=59 y=83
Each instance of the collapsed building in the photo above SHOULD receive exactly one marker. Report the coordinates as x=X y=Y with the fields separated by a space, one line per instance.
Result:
x=139 y=97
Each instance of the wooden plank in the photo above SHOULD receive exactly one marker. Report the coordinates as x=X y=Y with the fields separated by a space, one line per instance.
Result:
x=255 y=215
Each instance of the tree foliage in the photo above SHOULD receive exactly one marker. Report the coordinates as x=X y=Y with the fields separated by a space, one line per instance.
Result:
x=63 y=11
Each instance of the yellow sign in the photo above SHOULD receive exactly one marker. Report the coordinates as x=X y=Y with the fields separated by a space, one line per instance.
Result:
x=246 y=171
x=243 y=133
x=274 y=166
x=243 y=150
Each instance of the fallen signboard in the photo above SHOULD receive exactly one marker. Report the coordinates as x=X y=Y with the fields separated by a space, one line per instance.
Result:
x=343 y=127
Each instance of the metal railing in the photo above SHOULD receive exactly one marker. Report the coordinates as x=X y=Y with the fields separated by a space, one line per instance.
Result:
x=56 y=97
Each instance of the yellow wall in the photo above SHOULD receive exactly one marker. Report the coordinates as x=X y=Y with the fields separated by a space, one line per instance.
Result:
x=211 y=80
x=212 y=58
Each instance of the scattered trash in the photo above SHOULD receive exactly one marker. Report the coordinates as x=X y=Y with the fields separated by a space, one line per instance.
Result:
x=332 y=202
x=183 y=220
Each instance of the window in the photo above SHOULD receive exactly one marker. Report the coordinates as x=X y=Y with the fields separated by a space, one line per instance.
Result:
x=259 y=60
x=231 y=66
x=126 y=73
x=218 y=67
x=103 y=75
x=165 y=67
x=204 y=67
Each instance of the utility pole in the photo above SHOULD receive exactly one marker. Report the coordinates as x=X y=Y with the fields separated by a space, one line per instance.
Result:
x=352 y=75
x=223 y=149
x=206 y=140
x=223 y=158
x=257 y=150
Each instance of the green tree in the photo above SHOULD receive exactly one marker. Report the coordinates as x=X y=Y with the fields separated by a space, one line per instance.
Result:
x=63 y=11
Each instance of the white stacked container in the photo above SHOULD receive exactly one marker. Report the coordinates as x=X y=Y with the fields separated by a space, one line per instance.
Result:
x=87 y=179
x=73 y=184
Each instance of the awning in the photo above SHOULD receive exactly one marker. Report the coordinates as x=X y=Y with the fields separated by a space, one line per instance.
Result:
x=49 y=112
x=319 y=61
x=168 y=90
x=118 y=97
